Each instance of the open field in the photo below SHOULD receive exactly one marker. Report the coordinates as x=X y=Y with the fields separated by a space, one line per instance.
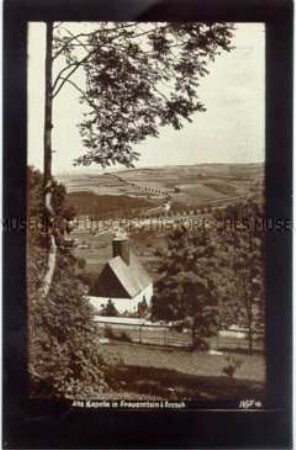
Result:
x=186 y=186
x=96 y=205
x=147 y=372
x=185 y=361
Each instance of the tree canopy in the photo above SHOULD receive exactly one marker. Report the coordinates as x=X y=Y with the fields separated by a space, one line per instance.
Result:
x=138 y=77
x=214 y=277
x=241 y=239
x=186 y=291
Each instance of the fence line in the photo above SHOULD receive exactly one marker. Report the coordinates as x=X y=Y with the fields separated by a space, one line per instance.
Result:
x=165 y=336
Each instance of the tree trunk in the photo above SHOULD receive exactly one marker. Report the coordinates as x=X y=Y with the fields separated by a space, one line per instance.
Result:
x=193 y=334
x=250 y=326
x=47 y=174
x=48 y=106
x=51 y=263
x=250 y=339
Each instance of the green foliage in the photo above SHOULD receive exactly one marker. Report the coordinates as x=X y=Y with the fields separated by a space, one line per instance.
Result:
x=64 y=357
x=34 y=188
x=241 y=238
x=81 y=263
x=87 y=278
x=108 y=332
x=140 y=77
x=124 y=336
x=214 y=277
x=186 y=290
x=109 y=310
x=233 y=364
x=63 y=210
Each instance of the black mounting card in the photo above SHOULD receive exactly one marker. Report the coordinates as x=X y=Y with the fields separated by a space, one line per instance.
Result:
x=178 y=117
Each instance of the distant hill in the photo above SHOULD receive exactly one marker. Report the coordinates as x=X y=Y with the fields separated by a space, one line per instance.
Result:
x=171 y=174
x=188 y=185
x=220 y=170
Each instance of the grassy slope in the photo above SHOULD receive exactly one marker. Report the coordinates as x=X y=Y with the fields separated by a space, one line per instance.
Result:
x=190 y=363
x=175 y=374
x=91 y=203
x=173 y=385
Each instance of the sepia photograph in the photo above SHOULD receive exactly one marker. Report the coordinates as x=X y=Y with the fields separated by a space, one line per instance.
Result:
x=146 y=208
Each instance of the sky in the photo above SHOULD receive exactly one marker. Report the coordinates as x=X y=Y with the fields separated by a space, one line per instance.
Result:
x=232 y=130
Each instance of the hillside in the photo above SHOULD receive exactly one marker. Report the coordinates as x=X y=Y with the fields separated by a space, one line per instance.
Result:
x=185 y=186
x=233 y=171
x=89 y=203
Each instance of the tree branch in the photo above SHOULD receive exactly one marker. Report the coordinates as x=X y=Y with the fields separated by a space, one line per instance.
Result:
x=77 y=38
x=81 y=92
x=91 y=33
x=58 y=77
x=147 y=32
x=59 y=52
x=57 y=25
x=83 y=60
x=77 y=65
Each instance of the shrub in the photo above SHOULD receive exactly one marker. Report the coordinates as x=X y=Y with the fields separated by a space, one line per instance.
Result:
x=110 y=310
x=124 y=337
x=233 y=364
x=65 y=359
x=81 y=263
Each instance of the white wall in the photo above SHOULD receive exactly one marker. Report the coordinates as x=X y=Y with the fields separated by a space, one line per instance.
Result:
x=123 y=304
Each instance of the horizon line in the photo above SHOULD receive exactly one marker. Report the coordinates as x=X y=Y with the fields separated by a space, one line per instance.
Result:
x=123 y=169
